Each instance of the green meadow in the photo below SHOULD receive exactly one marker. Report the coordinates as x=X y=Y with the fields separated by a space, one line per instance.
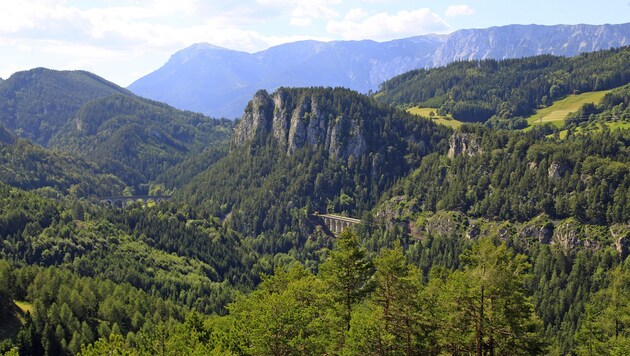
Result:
x=557 y=112
x=438 y=119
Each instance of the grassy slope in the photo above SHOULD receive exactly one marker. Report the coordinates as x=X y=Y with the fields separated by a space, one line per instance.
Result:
x=10 y=324
x=438 y=119
x=598 y=127
x=557 y=112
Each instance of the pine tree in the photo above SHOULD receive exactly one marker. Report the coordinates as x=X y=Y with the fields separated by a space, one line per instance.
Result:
x=347 y=272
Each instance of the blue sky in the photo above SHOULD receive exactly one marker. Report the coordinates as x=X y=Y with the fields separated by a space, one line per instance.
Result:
x=123 y=40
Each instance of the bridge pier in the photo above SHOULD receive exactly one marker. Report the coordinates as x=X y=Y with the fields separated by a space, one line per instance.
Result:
x=122 y=201
x=336 y=224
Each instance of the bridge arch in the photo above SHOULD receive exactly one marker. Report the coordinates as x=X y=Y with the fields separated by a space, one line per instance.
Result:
x=336 y=224
x=122 y=201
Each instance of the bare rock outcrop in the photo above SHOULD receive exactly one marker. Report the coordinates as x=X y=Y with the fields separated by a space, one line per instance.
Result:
x=539 y=229
x=297 y=119
x=463 y=144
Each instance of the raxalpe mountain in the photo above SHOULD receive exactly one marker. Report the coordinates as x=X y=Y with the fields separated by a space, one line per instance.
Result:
x=219 y=82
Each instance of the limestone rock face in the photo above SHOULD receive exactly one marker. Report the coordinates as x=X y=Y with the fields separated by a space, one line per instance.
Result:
x=447 y=223
x=297 y=120
x=539 y=229
x=621 y=239
x=556 y=170
x=568 y=235
x=397 y=212
x=256 y=121
x=463 y=144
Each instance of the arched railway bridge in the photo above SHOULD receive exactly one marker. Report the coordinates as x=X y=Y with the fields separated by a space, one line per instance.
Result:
x=121 y=201
x=337 y=223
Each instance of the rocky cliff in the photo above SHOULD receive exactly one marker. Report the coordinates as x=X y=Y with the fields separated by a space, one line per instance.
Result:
x=296 y=118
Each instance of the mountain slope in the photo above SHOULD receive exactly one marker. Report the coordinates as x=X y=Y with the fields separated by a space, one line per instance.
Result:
x=296 y=151
x=137 y=138
x=38 y=102
x=32 y=167
x=475 y=91
x=219 y=82
x=134 y=138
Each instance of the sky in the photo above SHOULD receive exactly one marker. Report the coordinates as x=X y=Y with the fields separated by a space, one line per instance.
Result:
x=123 y=40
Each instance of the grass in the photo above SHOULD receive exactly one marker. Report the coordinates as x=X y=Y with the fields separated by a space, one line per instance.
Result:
x=438 y=119
x=11 y=322
x=622 y=125
x=557 y=112
x=24 y=306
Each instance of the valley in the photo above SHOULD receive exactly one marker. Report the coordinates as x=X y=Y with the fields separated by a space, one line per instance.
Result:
x=479 y=206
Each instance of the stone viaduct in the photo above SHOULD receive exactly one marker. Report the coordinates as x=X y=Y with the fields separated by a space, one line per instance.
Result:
x=336 y=223
x=121 y=201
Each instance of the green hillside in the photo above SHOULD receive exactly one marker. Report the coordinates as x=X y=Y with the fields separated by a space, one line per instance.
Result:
x=138 y=139
x=475 y=240
x=560 y=109
x=438 y=119
x=133 y=138
x=32 y=167
x=37 y=103
x=499 y=93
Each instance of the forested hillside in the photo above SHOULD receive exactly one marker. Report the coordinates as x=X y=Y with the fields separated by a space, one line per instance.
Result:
x=499 y=92
x=138 y=139
x=37 y=103
x=298 y=151
x=52 y=173
x=474 y=240
x=613 y=109
x=130 y=137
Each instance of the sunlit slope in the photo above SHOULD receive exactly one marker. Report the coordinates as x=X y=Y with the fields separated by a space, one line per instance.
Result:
x=557 y=112
x=438 y=119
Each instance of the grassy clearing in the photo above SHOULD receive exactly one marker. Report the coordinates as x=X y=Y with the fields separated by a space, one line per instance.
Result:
x=438 y=119
x=24 y=306
x=621 y=125
x=14 y=319
x=557 y=112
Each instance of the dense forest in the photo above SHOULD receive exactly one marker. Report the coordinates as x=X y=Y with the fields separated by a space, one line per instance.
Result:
x=133 y=138
x=501 y=92
x=477 y=240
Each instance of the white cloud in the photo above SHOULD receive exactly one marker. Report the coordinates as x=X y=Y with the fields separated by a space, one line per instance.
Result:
x=459 y=10
x=304 y=12
x=383 y=26
x=356 y=15
x=301 y=21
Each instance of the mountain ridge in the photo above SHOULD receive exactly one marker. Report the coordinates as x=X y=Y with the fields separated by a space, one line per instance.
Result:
x=81 y=113
x=219 y=81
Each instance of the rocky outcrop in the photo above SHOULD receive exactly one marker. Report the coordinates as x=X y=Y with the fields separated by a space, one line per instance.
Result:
x=556 y=170
x=255 y=122
x=295 y=118
x=621 y=239
x=568 y=235
x=539 y=229
x=463 y=144
x=397 y=212
x=446 y=224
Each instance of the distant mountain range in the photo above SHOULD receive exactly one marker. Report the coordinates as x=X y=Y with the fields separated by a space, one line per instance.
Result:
x=219 y=82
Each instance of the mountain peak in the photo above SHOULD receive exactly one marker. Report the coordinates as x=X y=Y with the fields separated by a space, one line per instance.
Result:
x=196 y=50
x=358 y=65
